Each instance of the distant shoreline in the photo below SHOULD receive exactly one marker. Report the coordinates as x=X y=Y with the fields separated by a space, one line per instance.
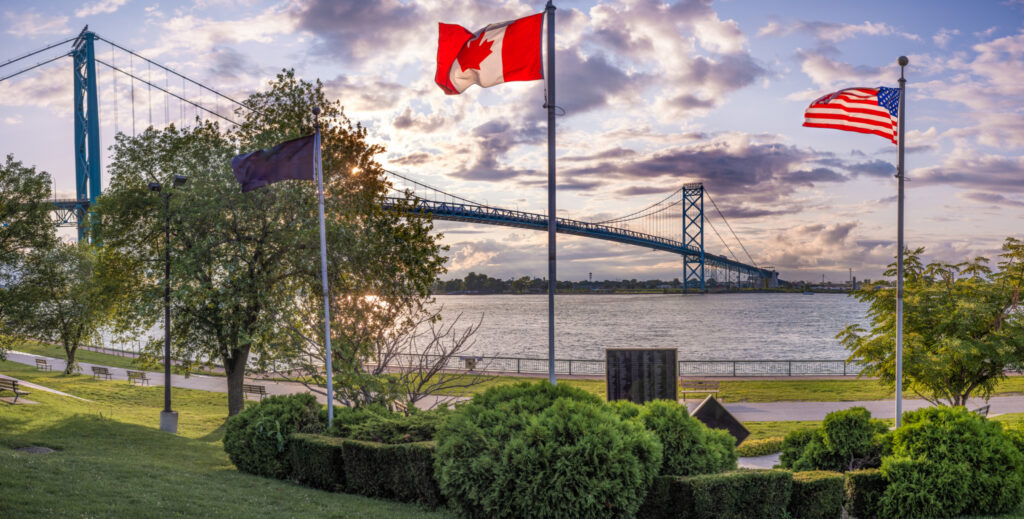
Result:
x=645 y=292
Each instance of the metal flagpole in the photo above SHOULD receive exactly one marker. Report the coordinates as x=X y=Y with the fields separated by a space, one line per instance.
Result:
x=550 y=10
x=903 y=61
x=318 y=165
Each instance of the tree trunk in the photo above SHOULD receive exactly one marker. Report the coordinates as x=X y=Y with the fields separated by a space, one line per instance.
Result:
x=234 y=368
x=70 y=351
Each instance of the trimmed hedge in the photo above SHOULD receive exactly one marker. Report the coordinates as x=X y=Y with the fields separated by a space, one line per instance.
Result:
x=864 y=489
x=739 y=494
x=817 y=495
x=403 y=472
x=762 y=447
x=318 y=461
x=419 y=426
x=256 y=439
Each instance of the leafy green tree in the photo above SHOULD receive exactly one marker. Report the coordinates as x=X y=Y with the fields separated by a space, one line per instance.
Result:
x=25 y=225
x=963 y=326
x=62 y=297
x=245 y=266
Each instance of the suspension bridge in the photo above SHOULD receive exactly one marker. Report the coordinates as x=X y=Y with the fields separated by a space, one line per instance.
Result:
x=674 y=224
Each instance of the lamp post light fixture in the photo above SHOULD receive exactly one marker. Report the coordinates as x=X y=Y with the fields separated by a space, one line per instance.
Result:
x=168 y=418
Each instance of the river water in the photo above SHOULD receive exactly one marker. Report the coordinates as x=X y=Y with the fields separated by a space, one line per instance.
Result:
x=769 y=326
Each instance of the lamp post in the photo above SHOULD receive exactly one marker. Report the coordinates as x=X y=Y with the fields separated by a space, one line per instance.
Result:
x=168 y=418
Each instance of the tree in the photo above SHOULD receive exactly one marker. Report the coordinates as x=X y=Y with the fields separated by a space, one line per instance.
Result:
x=245 y=266
x=963 y=326
x=61 y=297
x=25 y=225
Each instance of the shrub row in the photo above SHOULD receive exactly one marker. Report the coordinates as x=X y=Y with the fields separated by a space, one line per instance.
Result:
x=730 y=495
x=762 y=447
x=765 y=494
x=402 y=472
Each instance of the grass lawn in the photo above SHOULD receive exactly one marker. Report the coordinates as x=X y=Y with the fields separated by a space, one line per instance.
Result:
x=112 y=460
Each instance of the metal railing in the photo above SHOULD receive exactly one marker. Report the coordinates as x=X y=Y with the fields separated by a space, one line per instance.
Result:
x=583 y=367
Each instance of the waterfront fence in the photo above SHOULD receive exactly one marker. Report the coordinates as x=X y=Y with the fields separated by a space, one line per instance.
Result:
x=596 y=368
x=583 y=367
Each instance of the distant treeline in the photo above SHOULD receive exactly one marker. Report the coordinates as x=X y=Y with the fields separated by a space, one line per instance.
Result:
x=475 y=283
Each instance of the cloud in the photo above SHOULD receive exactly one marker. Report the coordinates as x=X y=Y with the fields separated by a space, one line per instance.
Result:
x=943 y=37
x=407 y=120
x=13 y=120
x=992 y=173
x=874 y=168
x=366 y=93
x=992 y=198
x=345 y=27
x=826 y=32
x=611 y=153
x=591 y=81
x=31 y=23
x=828 y=73
x=101 y=7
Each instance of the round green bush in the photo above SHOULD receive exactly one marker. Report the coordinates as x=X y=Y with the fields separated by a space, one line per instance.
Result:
x=847 y=440
x=688 y=446
x=537 y=450
x=948 y=461
x=256 y=439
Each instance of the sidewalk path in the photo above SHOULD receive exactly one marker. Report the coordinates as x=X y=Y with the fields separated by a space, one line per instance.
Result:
x=743 y=411
x=201 y=382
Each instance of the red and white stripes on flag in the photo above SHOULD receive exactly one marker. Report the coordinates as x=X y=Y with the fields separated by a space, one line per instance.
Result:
x=498 y=53
x=864 y=110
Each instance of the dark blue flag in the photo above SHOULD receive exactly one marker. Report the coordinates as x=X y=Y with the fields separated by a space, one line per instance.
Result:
x=290 y=160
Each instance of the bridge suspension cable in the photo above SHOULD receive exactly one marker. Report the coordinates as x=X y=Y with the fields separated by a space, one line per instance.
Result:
x=190 y=80
x=33 y=53
x=640 y=214
x=33 y=67
x=168 y=92
x=752 y=262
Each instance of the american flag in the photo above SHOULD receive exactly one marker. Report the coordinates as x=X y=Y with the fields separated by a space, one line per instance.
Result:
x=864 y=110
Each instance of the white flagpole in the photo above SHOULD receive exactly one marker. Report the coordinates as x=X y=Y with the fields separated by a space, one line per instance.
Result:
x=318 y=171
x=552 y=221
x=903 y=62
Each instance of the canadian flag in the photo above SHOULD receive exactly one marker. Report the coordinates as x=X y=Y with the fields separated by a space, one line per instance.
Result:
x=500 y=52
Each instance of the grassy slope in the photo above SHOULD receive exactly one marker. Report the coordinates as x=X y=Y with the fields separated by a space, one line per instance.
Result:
x=113 y=462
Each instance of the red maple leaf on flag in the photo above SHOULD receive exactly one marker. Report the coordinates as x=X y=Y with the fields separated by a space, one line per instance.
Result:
x=476 y=51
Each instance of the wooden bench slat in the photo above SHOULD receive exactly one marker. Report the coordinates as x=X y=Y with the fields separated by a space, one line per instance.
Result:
x=254 y=389
x=101 y=371
x=698 y=386
x=7 y=384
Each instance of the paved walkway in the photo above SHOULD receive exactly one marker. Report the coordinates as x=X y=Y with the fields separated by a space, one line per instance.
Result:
x=743 y=411
x=201 y=382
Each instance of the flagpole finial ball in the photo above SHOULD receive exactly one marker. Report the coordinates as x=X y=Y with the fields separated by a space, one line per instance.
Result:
x=903 y=61
x=316 y=109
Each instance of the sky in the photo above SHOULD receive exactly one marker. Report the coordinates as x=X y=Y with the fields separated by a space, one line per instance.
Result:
x=656 y=95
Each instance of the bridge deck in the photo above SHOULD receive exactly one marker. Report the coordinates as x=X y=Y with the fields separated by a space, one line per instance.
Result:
x=512 y=218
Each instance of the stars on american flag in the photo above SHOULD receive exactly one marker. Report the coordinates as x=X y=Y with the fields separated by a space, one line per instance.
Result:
x=889 y=98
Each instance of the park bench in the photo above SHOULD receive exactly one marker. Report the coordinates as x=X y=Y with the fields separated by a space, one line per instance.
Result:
x=7 y=384
x=42 y=365
x=137 y=376
x=702 y=387
x=100 y=371
x=254 y=389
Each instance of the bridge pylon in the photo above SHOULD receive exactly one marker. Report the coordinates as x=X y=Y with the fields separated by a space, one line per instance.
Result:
x=693 y=233
x=87 y=127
